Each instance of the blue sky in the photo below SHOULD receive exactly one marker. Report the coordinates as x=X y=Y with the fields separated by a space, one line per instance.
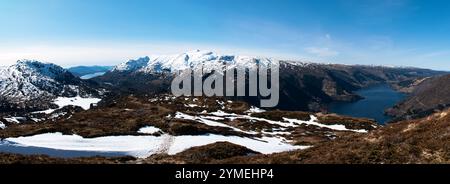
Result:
x=106 y=32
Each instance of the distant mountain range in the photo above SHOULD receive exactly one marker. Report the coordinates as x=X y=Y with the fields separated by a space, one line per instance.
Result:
x=192 y=59
x=303 y=85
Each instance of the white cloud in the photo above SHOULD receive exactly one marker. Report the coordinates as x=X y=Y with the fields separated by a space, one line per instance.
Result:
x=322 y=52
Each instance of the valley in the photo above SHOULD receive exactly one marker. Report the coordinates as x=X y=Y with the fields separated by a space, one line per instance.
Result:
x=376 y=99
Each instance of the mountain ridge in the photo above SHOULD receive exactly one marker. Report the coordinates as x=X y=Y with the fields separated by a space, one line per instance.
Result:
x=303 y=85
x=30 y=84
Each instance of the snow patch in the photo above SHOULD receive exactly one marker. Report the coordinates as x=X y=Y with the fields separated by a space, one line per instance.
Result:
x=313 y=121
x=15 y=120
x=37 y=119
x=222 y=113
x=287 y=122
x=191 y=105
x=149 y=130
x=233 y=116
x=180 y=115
x=254 y=109
x=84 y=103
x=265 y=145
x=213 y=118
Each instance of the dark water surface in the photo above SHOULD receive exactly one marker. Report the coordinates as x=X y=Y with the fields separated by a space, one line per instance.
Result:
x=376 y=100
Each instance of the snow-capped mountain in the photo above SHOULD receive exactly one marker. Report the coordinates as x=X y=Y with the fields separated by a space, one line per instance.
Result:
x=192 y=59
x=28 y=81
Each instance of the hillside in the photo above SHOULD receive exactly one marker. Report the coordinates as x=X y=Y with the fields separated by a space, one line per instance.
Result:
x=431 y=95
x=416 y=142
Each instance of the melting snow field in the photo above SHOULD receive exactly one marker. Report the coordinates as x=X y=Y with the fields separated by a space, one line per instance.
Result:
x=287 y=122
x=149 y=130
x=147 y=145
x=15 y=120
x=313 y=121
x=144 y=146
x=205 y=121
x=84 y=103
x=254 y=109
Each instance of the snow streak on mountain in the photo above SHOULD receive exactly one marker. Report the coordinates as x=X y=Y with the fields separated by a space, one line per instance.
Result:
x=192 y=59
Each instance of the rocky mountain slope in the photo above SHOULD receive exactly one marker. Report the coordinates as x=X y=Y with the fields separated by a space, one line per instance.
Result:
x=430 y=95
x=304 y=86
x=33 y=85
x=420 y=141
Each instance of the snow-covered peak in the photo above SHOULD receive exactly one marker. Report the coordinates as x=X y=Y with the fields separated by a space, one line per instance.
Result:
x=30 y=70
x=29 y=80
x=178 y=62
x=190 y=59
x=34 y=64
x=132 y=65
x=33 y=67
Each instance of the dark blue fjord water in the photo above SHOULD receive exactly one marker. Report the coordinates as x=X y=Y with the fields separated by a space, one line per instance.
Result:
x=376 y=100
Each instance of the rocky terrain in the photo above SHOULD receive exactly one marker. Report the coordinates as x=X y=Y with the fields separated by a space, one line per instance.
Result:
x=32 y=85
x=192 y=116
x=423 y=140
x=177 y=117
